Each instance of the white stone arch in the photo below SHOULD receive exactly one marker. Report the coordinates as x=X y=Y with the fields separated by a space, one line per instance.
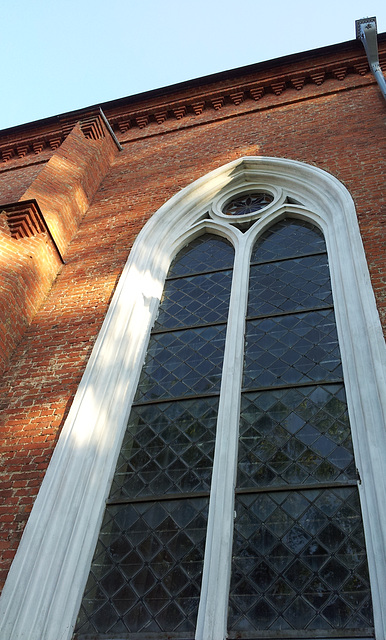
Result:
x=46 y=581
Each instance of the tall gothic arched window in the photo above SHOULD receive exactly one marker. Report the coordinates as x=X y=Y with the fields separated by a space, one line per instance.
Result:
x=283 y=553
x=299 y=562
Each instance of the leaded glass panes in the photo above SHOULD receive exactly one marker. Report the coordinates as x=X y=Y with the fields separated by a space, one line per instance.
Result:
x=206 y=253
x=287 y=239
x=289 y=285
x=182 y=362
x=199 y=299
x=299 y=565
x=292 y=348
x=146 y=572
x=295 y=436
x=168 y=448
x=299 y=562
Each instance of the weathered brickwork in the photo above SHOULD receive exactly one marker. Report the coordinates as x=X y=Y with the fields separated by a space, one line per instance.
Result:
x=63 y=189
x=15 y=181
x=97 y=201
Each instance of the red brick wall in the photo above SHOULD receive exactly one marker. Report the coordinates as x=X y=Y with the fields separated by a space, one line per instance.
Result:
x=15 y=181
x=330 y=129
x=63 y=189
x=27 y=268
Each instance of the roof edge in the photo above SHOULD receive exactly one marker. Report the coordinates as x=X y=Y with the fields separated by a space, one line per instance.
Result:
x=350 y=45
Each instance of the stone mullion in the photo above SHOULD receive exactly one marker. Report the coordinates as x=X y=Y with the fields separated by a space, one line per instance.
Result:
x=212 y=615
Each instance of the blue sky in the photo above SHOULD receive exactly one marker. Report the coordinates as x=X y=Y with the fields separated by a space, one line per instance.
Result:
x=61 y=55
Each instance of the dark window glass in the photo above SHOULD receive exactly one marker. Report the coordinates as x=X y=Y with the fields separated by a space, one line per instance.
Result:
x=292 y=348
x=247 y=203
x=206 y=253
x=295 y=436
x=168 y=448
x=299 y=562
x=146 y=572
x=182 y=362
x=289 y=285
x=287 y=239
x=200 y=299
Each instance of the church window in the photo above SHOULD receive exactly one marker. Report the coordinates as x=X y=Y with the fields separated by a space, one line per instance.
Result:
x=298 y=562
x=284 y=545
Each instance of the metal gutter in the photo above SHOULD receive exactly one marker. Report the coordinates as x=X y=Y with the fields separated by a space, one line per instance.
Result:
x=111 y=132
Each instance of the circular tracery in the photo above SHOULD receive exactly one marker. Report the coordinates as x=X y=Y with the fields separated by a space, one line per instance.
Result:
x=247 y=203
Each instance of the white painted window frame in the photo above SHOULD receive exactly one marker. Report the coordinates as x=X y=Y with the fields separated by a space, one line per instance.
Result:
x=44 y=588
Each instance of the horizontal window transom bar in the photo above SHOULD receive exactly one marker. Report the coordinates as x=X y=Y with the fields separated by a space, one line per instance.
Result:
x=288 y=313
x=197 y=273
x=341 y=634
x=293 y=257
x=173 y=635
x=292 y=386
x=297 y=487
x=246 y=390
x=159 y=498
x=192 y=326
x=213 y=394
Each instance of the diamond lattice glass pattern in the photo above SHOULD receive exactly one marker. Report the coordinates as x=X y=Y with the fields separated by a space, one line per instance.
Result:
x=299 y=563
x=146 y=571
x=299 y=556
x=200 y=299
x=295 y=436
x=289 y=285
x=291 y=349
x=181 y=363
x=206 y=253
x=168 y=448
x=288 y=238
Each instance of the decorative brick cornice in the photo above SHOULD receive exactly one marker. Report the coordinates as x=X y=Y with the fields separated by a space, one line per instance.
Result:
x=361 y=68
x=298 y=82
x=256 y=92
x=237 y=95
x=22 y=150
x=161 y=116
x=318 y=76
x=217 y=102
x=180 y=112
x=340 y=73
x=55 y=142
x=25 y=220
x=142 y=121
x=93 y=127
x=38 y=146
x=198 y=107
x=7 y=154
x=165 y=110
x=124 y=125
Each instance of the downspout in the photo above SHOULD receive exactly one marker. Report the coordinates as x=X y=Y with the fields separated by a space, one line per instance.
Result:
x=366 y=30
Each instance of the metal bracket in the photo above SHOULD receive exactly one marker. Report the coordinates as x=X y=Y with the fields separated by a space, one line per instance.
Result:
x=366 y=31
